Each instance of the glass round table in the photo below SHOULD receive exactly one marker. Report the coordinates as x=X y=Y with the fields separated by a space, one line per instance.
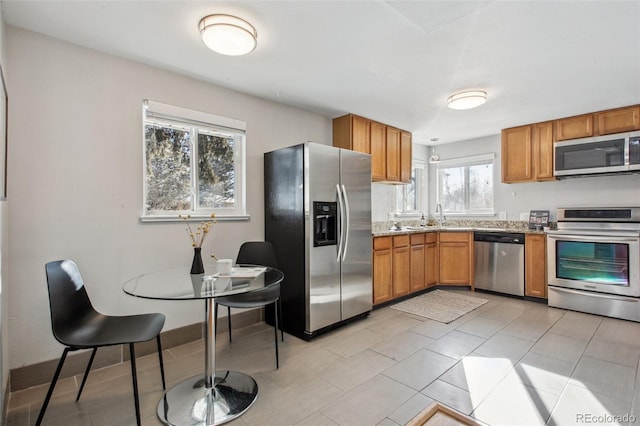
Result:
x=218 y=396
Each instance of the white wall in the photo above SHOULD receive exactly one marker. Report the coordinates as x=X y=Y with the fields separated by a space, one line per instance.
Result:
x=75 y=179
x=4 y=299
x=516 y=198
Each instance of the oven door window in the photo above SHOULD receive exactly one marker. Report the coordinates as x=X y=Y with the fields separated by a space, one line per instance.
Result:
x=602 y=263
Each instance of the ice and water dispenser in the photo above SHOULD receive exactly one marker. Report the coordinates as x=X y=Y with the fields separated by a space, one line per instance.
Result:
x=325 y=223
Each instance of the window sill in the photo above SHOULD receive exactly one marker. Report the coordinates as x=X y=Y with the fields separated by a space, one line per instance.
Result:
x=194 y=218
x=459 y=214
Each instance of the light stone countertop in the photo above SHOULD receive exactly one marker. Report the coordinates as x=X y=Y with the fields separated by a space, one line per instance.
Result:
x=380 y=229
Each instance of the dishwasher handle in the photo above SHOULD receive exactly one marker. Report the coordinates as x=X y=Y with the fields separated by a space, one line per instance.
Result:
x=499 y=237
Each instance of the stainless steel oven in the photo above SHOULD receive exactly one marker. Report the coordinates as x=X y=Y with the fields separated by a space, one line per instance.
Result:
x=594 y=261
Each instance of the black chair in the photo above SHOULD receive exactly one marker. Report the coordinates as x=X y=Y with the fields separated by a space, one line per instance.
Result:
x=255 y=253
x=77 y=325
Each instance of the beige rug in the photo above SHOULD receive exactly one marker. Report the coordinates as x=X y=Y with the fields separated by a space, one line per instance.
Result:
x=439 y=305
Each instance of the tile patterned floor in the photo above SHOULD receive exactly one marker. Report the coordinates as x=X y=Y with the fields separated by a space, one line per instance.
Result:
x=509 y=362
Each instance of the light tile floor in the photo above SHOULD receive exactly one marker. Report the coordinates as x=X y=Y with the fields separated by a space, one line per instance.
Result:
x=509 y=362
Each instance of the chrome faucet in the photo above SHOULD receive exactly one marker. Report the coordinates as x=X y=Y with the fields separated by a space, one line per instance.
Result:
x=441 y=218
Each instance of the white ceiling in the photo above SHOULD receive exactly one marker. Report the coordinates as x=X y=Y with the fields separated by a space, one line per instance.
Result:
x=391 y=61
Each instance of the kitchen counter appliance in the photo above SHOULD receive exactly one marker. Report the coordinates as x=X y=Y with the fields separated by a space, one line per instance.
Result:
x=594 y=261
x=618 y=153
x=499 y=262
x=318 y=218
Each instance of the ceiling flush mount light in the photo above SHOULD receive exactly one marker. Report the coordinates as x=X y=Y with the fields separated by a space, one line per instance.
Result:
x=435 y=158
x=228 y=34
x=467 y=100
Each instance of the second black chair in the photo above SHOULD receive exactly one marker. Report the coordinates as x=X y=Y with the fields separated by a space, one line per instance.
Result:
x=255 y=253
x=77 y=325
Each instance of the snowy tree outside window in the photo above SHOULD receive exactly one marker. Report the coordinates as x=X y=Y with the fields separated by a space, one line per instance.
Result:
x=193 y=164
x=465 y=185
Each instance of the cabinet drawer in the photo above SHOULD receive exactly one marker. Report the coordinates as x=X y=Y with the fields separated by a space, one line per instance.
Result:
x=401 y=240
x=431 y=237
x=446 y=237
x=417 y=239
x=382 y=243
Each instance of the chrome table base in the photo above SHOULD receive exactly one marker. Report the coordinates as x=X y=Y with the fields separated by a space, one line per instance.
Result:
x=192 y=403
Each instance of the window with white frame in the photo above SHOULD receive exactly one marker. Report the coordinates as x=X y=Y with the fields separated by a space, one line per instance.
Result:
x=465 y=185
x=193 y=164
x=409 y=196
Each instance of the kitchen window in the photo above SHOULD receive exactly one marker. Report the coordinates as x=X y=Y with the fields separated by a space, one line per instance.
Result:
x=409 y=197
x=193 y=164
x=465 y=185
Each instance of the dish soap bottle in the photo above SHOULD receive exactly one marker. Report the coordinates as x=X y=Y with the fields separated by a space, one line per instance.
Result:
x=423 y=221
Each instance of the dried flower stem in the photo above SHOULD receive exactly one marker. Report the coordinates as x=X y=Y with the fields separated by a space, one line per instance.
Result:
x=197 y=237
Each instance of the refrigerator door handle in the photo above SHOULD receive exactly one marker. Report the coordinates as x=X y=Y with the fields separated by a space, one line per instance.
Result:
x=348 y=222
x=341 y=230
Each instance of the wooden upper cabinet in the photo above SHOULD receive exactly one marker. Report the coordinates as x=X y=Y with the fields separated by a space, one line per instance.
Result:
x=542 y=150
x=393 y=153
x=516 y=154
x=527 y=153
x=618 y=120
x=378 y=151
x=580 y=126
x=352 y=132
x=406 y=154
x=361 y=141
x=390 y=148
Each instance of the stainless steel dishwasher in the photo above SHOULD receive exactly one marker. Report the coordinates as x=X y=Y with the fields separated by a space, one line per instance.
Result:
x=499 y=262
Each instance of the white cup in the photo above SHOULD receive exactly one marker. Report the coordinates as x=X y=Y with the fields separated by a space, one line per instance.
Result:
x=224 y=266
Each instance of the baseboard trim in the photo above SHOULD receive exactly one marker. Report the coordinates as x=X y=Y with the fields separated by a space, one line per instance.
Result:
x=40 y=373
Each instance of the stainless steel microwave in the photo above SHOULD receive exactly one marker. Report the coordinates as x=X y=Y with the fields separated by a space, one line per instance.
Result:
x=619 y=153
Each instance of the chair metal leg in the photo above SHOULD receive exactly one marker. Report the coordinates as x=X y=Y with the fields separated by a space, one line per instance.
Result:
x=229 y=321
x=275 y=330
x=281 y=321
x=52 y=386
x=134 y=376
x=86 y=373
x=164 y=386
x=215 y=314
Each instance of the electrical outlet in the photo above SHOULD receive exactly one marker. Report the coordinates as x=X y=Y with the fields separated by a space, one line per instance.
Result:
x=502 y=216
x=524 y=217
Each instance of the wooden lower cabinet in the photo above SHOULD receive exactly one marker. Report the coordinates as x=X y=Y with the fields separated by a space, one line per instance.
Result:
x=382 y=267
x=417 y=262
x=456 y=258
x=535 y=265
x=431 y=260
x=409 y=263
x=401 y=268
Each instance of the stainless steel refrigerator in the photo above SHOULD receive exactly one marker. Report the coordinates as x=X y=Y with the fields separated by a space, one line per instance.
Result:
x=318 y=218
